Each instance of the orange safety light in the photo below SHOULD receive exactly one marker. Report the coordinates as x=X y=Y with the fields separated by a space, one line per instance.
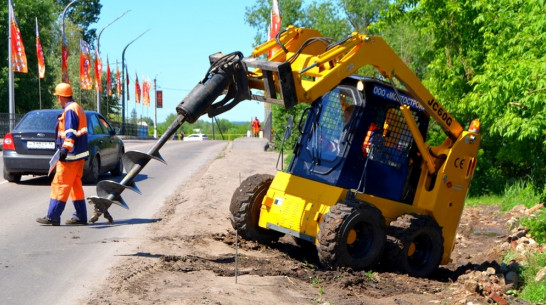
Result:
x=475 y=126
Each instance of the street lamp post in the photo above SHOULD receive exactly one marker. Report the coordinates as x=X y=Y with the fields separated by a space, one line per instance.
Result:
x=123 y=82
x=98 y=53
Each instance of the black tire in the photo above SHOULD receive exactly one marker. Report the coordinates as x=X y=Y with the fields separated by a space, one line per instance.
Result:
x=245 y=209
x=10 y=177
x=92 y=176
x=414 y=244
x=352 y=234
x=118 y=170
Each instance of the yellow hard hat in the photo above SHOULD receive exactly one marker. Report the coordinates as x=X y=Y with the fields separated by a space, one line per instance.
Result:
x=63 y=89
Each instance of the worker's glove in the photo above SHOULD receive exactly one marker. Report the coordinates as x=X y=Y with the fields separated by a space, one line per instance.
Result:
x=62 y=154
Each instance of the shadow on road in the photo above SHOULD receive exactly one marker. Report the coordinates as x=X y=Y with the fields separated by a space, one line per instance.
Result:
x=123 y=222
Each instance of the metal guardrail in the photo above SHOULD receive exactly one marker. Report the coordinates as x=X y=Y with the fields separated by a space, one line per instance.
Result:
x=5 y=123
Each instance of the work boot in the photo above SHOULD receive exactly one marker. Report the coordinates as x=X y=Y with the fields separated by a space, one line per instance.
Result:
x=74 y=221
x=47 y=221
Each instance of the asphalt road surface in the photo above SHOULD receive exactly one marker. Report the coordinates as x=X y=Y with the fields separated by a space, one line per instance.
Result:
x=59 y=265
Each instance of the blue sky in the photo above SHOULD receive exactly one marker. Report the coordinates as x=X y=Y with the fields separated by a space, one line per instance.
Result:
x=176 y=48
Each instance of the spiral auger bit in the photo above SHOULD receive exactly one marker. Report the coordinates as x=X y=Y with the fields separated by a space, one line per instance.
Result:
x=227 y=73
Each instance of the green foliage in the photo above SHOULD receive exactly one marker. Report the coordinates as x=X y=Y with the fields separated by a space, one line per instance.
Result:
x=223 y=129
x=280 y=121
x=481 y=59
x=537 y=226
x=26 y=84
x=533 y=291
x=48 y=12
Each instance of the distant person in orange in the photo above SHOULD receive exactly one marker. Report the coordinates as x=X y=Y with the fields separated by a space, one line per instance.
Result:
x=256 y=127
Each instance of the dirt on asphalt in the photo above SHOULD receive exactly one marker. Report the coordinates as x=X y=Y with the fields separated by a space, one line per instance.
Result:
x=191 y=256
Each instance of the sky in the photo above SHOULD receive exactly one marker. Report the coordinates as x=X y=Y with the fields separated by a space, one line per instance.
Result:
x=181 y=36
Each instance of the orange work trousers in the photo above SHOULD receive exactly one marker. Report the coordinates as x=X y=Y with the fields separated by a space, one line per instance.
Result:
x=68 y=181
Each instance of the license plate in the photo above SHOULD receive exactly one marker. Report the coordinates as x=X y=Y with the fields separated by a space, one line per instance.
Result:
x=40 y=145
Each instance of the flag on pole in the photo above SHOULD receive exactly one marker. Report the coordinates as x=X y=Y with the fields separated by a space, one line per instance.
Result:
x=146 y=92
x=108 y=78
x=85 y=66
x=127 y=78
x=98 y=72
x=64 y=60
x=18 y=55
x=118 y=82
x=137 y=90
x=159 y=98
x=40 y=54
x=275 y=26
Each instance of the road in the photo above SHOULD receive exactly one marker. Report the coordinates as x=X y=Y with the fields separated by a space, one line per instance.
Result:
x=58 y=265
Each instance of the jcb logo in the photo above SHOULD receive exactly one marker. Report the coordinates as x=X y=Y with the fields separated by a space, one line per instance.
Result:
x=442 y=113
x=459 y=163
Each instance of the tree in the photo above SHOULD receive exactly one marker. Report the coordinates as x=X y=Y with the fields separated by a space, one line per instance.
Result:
x=83 y=14
x=48 y=12
x=489 y=62
x=334 y=20
x=26 y=85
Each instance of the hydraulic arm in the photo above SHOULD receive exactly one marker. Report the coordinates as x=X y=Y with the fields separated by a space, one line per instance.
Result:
x=307 y=66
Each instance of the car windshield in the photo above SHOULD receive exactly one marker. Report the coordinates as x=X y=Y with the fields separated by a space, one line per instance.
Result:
x=39 y=120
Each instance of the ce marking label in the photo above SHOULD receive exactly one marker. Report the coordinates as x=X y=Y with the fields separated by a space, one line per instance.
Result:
x=459 y=163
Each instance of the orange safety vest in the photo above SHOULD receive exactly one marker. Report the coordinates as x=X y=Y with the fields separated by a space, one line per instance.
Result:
x=72 y=132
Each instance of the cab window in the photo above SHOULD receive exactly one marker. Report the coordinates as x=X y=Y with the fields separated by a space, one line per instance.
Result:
x=334 y=114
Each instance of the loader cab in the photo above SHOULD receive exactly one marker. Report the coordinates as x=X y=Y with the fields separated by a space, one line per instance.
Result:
x=355 y=137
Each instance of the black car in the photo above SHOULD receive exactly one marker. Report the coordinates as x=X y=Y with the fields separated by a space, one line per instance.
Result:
x=28 y=148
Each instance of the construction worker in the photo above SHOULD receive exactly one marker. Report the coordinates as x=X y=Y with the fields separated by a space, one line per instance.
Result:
x=71 y=141
x=256 y=127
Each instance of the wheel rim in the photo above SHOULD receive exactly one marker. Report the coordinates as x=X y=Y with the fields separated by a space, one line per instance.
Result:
x=420 y=251
x=351 y=237
x=359 y=240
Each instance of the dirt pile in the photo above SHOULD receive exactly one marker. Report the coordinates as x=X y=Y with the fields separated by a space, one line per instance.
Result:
x=193 y=256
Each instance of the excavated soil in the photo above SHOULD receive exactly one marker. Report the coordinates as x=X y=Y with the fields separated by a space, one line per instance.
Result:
x=192 y=256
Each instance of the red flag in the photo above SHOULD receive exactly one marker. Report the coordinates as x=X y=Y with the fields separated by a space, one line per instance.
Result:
x=118 y=83
x=127 y=74
x=146 y=92
x=18 y=56
x=64 y=61
x=275 y=26
x=108 y=78
x=85 y=66
x=40 y=54
x=137 y=90
x=98 y=72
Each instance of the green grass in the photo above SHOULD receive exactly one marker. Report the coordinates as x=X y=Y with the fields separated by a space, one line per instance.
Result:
x=531 y=290
x=514 y=194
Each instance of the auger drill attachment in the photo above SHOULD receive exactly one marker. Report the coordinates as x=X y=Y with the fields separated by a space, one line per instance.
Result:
x=228 y=73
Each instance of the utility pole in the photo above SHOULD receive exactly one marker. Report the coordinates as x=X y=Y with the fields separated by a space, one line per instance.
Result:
x=155 y=106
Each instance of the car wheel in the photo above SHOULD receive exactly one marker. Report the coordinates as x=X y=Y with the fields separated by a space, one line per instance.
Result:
x=92 y=175
x=118 y=169
x=11 y=177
